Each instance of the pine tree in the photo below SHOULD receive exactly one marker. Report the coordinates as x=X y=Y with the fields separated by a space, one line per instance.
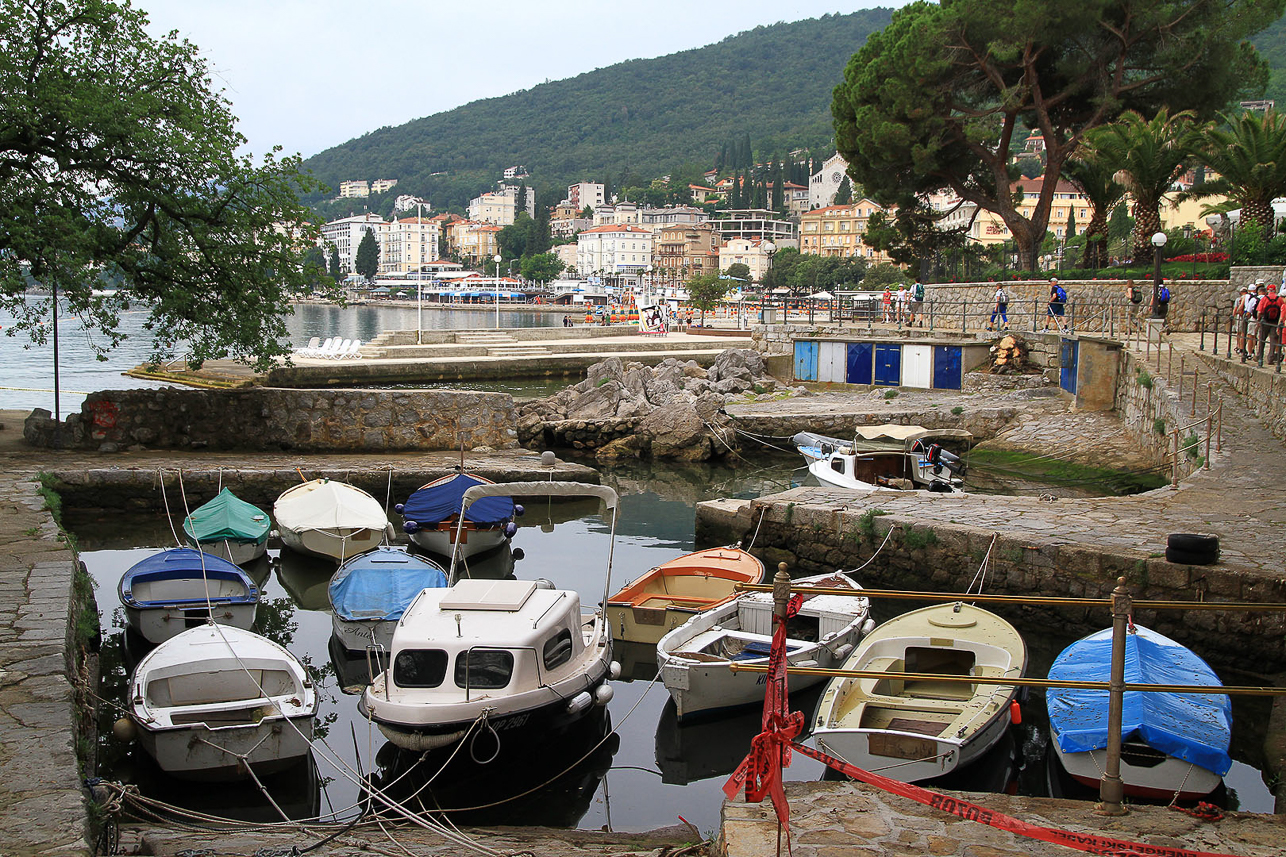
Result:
x=367 y=262
x=333 y=265
x=844 y=195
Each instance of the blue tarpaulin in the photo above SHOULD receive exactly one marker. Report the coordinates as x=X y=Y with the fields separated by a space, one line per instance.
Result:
x=439 y=501
x=381 y=584
x=1190 y=726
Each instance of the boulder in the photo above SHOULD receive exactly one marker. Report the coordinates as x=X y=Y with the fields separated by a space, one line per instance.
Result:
x=744 y=359
x=677 y=432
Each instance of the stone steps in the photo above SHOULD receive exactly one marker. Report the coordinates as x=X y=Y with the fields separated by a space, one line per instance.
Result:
x=518 y=351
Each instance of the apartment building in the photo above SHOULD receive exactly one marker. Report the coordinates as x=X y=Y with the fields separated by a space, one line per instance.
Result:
x=795 y=198
x=383 y=185
x=346 y=233
x=495 y=207
x=987 y=227
x=754 y=253
x=756 y=223
x=614 y=249
x=837 y=230
x=409 y=244
x=582 y=194
x=472 y=240
x=356 y=189
x=686 y=250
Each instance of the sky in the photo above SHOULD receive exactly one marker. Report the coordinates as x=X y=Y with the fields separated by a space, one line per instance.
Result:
x=311 y=74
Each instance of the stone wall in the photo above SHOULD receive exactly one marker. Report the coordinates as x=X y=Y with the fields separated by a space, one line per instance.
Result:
x=1264 y=390
x=1144 y=396
x=276 y=419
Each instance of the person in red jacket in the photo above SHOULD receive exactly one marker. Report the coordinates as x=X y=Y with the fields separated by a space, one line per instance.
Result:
x=1269 y=313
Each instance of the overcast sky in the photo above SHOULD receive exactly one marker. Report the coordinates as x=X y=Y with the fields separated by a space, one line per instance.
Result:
x=310 y=74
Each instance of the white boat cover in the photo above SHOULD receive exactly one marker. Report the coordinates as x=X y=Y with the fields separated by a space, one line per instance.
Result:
x=324 y=503
x=889 y=431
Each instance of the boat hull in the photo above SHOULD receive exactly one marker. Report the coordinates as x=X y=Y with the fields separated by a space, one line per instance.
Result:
x=359 y=636
x=632 y=624
x=158 y=624
x=474 y=541
x=215 y=755
x=235 y=552
x=334 y=543
x=714 y=690
x=1158 y=781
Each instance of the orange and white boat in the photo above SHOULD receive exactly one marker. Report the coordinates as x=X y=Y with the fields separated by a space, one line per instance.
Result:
x=647 y=608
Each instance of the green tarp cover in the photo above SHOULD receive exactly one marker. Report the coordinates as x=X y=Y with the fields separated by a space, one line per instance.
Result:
x=227 y=516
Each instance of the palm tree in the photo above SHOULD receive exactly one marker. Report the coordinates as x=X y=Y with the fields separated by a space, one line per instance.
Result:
x=1096 y=179
x=1149 y=154
x=1250 y=158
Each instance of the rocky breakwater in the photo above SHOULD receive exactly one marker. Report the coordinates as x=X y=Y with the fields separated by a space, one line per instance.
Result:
x=627 y=410
x=266 y=419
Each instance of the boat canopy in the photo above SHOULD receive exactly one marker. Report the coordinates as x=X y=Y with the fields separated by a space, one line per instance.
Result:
x=325 y=503
x=1190 y=726
x=541 y=489
x=227 y=516
x=381 y=584
x=442 y=500
x=906 y=434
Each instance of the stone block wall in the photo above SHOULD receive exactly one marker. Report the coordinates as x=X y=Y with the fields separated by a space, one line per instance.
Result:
x=1264 y=390
x=277 y=419
x=1140 y=406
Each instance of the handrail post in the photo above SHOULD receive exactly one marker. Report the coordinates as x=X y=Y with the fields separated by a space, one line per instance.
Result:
x=964 y=316
x=1169 y=361
x=1219 y=430
x=1203 y=330
x=1196 y=379
x=1210 y=418
x=931 y=316
x=1174 y=471
x=1111 y=790
x=1181 y=362
x=1232 y=323
x=1035 y=308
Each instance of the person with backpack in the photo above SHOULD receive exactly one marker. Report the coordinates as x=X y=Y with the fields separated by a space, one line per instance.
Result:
x=1268 y=310
x=1252 y=317
x=917 y=305
x=1134 y=299
x=1239 y=318
x=1160 y=300
x=1057 y=301
x=1000 y=308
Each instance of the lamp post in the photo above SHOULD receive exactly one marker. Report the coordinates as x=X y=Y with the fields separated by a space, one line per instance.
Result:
x=1187 y=233
x=496 y=259
x=419 y=275
x=1158 y=241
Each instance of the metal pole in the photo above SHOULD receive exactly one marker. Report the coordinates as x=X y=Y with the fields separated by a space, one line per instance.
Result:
x=1231 y=323
x=1210 y=418
x=964 y=316
x=1181 y=361
x=1111 y=790
x=1196 y=379
x=1203 y=330
x=1174 y=471
x=931 y=316
x=58 y=417
x=419 y=274
x=1169 y=361
x=1219 y=429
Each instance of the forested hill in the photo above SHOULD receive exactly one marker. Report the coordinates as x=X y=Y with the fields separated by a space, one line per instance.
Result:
x=642 y=117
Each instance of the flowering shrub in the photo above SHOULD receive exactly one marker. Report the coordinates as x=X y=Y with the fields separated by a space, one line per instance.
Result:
x=1200 y=257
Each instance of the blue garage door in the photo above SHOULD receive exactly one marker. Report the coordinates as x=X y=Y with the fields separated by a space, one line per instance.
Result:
x=1069 y=356
x=888 y=365
x=805 y=361
x=946 y=367
x=859 y=362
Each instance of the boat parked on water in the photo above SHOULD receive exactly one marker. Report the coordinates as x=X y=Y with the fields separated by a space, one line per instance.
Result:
x=1172 y=743
x=181 y=588
x=213 y=699
x=887 y=457
x=228 y=527
x=433 y=520
x=648 y=608
x=519 y=657
x=330 y=519
x=906 y=723
x=695 y=657
x=371 y=591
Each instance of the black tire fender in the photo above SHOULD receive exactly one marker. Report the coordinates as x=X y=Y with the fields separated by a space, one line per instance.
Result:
x=1183 y=557
x=1193 y=542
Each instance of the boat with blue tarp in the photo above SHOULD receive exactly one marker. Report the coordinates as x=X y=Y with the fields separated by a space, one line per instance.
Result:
x=1172 y=743
x=228 y=527
x=369 y=593
x=432 y=518
x=181 y=588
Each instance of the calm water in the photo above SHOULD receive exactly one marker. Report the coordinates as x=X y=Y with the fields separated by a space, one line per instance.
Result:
x=28 y=378
x=650 y=774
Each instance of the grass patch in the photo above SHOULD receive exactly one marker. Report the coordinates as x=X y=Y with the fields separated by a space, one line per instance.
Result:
x=890 y=394
x=1145 y=379
x=866 y=523
x=1191 y=445
x=1024 y=465
x=790 y=514
x=957 y=410
x=1158 y=425
x=32 y=531
x=53 y=502
x=919 y=539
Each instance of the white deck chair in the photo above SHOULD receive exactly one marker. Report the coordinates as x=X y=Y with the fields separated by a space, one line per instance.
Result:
x=327 y=347
x=351 y=353
x=339 y=349
x=307 y=350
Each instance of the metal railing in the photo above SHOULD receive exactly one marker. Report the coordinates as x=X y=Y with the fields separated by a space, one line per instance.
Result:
x=1249 y=338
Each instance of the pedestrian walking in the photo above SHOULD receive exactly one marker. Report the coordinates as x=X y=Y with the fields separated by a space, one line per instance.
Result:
x=1057 y=302
x=1268 y=311
x=886 y=303
x=901 y=308
x=1134 y=302
x=1252 y=317
x=917 y=305
x=1000 y=308
x=1160 y=302
x=1239 y=318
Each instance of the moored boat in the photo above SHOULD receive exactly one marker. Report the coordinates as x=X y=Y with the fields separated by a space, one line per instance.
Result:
x=433 y=520
x=228 y=527
x=886 y=457
x=911 y=722
x=181 y=588
x=371 y=591
x=648 y=608
x=518 y=657
x=1172 y=743
x=330 y=519
x=695 y=657
x=214 y=699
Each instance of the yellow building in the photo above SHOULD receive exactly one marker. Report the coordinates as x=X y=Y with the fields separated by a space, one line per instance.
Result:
x=837 y=230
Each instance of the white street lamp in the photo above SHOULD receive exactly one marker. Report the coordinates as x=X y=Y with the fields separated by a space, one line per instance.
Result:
x=419 y=275
x=1158 y=241
x=496 y=259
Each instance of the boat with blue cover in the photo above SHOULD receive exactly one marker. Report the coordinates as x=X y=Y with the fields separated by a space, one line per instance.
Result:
x=183 y=588
x=228 y=527
x=369 y=594
x=1172 y=743
x=431 y=517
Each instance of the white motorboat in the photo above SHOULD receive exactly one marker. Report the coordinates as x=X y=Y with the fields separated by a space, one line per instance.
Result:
x=181 y=588
x=516 y=656
x=214 y=699
x=695 y=657
x=330 y=519
x=886 y=457
x=908 y=724
x=1172 y=744
x=433 y=520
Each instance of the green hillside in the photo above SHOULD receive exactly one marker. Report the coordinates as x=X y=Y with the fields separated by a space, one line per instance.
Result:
x=642 y=117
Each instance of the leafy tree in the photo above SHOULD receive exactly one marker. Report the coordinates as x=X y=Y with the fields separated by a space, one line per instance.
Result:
x=1149 y=154
x=884 y=274
x=705 y=291
x=367 y=261
x=739 y=271
x=519 y=238
x=117 y=160
x=541 y=268
x=1095 y=178
x=333 y=265
x=1250 y=159
x=844 y=195
x=911 y=235
x=935 y=99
